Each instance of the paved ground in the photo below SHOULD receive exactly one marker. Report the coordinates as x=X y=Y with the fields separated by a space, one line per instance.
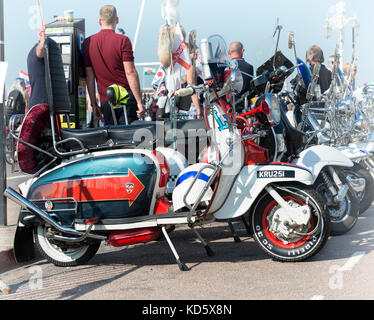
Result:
x=239 y=271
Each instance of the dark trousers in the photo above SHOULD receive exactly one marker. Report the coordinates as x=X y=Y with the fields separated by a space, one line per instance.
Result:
x=131 y=107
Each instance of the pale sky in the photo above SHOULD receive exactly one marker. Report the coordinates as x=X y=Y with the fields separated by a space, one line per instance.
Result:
x=251 y=22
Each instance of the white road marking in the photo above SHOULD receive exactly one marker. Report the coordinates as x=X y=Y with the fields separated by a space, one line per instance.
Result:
x=352 y=261
x=348 y=266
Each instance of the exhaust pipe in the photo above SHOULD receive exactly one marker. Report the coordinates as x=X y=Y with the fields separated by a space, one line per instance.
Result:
x=28 y=205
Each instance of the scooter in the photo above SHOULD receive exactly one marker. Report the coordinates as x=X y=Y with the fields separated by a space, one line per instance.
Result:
x=288 y=145
x=105 y=188
x=305 y=99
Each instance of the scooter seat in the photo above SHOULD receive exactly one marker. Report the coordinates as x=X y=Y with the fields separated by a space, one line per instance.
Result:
x=90 y=138
x=136 y=134
x=184 y=125
x=111 y=137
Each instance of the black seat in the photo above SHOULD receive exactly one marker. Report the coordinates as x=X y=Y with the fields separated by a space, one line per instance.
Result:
x=138 y=135
x=90 y=138
x=132 y=136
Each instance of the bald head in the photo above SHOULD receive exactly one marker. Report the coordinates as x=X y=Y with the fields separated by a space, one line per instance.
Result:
x=236 y=50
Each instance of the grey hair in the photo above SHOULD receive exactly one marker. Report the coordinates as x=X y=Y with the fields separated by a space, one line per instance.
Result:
x=316 y=53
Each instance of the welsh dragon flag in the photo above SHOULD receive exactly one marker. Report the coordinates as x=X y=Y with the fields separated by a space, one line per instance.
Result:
x=149 y=71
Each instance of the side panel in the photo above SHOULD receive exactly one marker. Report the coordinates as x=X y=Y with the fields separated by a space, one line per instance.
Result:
x=106 y=186
x=252 y=180
x=353 y=153
x=317 y=157
x=367 y=146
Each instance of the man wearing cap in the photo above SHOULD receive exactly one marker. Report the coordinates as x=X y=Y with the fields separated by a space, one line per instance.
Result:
x=109 y=59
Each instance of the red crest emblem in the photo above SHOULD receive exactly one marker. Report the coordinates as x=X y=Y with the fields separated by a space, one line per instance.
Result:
x=129 y=188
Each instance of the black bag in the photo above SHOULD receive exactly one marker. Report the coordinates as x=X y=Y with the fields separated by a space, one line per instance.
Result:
x=183 y=103
x=15 y=104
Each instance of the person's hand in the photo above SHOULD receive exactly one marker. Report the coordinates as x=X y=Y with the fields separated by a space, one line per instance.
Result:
x=140 y=111
x=98 y=115
x=41 y=34
x=199 y=115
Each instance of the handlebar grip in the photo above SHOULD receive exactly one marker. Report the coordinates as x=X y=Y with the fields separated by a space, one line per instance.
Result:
x=185 y=92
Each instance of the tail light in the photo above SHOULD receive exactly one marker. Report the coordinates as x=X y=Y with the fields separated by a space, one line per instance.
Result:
x=164 y=168
x=162 y=205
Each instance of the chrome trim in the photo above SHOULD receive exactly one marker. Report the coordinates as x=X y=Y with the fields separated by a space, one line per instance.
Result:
x=24 y=203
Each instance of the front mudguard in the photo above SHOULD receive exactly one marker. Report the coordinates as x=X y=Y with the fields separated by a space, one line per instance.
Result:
x=251 y=182
x=318 y=157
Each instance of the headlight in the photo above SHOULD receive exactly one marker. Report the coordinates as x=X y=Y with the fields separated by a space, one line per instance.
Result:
x=274 y=115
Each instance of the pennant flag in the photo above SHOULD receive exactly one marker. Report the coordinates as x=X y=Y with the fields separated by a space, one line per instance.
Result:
x=181 y=61
x=158 y=83
x=25 y=76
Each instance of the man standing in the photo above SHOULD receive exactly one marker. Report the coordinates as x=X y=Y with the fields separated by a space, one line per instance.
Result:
x=108 y=58
x=36 y=71
x=236 y=52
x=314 y=56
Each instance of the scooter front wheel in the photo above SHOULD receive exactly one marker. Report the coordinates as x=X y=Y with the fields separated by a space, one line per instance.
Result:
x=366 y=196
x=344 y=214
x=284 y=242
x=60 y=254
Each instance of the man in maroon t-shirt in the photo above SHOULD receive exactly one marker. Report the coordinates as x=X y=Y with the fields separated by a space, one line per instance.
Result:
x=108 y=58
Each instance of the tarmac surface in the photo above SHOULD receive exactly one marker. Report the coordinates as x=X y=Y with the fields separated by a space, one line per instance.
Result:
x=238 y=271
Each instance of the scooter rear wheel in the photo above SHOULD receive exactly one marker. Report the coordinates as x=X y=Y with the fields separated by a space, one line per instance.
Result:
x=297 y=248
x=63 y=256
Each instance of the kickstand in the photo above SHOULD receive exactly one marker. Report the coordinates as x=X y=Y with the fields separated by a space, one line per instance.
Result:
x=236 y=237
x=247 y=226
x=208 y=249
x=181 y=265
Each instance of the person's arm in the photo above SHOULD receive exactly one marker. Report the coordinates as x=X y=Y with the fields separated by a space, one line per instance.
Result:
x=192 y=79
x=90 y=75
x=133 y=79
x=40 y=46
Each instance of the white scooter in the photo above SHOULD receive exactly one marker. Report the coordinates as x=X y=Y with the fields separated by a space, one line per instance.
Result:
x=111 y=195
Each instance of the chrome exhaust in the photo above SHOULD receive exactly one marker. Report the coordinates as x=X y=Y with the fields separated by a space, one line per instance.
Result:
x=28 y=205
